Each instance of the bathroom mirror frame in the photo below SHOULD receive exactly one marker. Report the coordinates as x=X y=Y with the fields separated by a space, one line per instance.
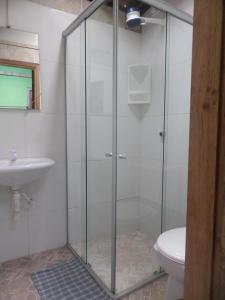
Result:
x=36 y=95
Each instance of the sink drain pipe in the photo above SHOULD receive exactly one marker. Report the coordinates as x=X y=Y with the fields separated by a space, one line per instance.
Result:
x=16 y=196
x=15 y=204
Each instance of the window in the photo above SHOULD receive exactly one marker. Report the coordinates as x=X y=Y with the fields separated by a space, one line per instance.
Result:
x=19 y=85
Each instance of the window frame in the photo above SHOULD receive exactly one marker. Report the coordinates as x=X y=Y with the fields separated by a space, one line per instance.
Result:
x=36 y=95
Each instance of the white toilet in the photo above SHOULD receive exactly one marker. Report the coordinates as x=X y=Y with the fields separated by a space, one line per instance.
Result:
x=170 y=253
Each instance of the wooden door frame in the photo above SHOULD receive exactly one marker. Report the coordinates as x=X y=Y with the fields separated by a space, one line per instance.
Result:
x=205 y=244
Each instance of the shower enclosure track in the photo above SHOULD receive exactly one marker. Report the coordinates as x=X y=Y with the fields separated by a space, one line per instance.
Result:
x=106 y=289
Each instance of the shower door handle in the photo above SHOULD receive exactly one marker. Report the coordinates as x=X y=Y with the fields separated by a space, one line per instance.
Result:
x=109 y=154
x=122 y=156
x=162 y=134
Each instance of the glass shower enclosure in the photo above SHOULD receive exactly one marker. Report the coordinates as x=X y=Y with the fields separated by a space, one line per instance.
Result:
x=117 y=118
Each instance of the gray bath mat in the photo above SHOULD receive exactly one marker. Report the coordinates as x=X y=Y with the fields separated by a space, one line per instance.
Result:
x=67 y=281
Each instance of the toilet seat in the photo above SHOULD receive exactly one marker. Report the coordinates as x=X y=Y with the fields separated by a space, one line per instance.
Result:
x=172 y=244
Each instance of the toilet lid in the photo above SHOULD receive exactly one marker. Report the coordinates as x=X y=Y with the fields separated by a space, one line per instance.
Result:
x=172 y=244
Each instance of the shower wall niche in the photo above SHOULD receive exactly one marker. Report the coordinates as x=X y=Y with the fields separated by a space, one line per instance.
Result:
x=139 y=84
x=128 y=96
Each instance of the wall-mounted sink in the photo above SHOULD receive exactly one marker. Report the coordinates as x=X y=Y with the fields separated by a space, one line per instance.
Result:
x=16 y=173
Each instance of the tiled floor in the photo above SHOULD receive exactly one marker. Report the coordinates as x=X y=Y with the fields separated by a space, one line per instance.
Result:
x=133 y=255
x=15 y=280
x=16 y=283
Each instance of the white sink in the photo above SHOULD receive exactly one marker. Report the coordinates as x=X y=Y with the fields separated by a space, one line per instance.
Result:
x=22 y=171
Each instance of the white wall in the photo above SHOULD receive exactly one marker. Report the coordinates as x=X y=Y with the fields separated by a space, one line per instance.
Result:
x=42 y=226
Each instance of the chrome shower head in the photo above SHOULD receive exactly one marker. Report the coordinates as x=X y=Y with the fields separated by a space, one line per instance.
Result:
x=133 y=18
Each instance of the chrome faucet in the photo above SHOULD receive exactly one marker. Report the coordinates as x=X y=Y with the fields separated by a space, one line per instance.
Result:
x=12 y=155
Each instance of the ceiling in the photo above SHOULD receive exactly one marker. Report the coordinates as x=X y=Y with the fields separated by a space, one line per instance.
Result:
x=184 y=5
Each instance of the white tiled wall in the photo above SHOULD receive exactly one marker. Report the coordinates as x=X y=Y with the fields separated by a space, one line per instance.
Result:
x=42 y=226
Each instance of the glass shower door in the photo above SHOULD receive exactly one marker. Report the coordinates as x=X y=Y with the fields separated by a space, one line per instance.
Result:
x=76 y=153
x=99 y=70
x=119 y=105
x=140 y=142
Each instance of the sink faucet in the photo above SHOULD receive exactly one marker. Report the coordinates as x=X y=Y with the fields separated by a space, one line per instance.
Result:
x=13 y=155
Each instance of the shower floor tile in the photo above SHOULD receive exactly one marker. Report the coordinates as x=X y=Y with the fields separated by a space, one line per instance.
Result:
x=16 y=283
x=134 y=259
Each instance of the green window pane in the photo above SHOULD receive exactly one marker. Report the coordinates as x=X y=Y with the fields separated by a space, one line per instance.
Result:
x=15 y=87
